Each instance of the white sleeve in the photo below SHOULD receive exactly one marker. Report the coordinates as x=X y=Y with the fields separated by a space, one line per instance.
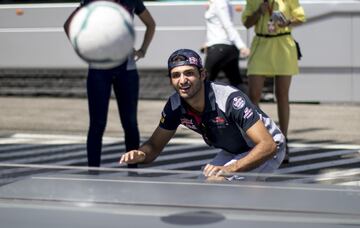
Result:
x=222 y=10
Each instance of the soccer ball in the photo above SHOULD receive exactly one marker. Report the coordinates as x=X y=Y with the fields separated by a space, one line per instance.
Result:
x=102 y=34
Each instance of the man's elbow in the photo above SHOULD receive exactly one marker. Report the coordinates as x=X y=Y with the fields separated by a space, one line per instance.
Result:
x=271 y=148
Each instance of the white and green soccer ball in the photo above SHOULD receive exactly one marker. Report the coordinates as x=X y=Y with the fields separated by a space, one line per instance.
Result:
x=102 y=34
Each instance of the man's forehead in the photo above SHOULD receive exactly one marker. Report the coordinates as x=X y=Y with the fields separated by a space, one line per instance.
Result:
x=183 y=68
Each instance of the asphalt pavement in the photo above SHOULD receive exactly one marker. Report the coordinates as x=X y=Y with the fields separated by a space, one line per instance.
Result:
x=309 y=123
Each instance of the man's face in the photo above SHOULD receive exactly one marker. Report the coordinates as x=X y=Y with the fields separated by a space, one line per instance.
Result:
x=187 y=81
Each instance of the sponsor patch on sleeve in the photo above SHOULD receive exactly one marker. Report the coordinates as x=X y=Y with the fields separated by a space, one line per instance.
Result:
x=162 y=119
x=248 y=113
x=238 y=103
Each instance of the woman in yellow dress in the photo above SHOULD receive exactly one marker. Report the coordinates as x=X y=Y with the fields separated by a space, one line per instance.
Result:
x=273 y=50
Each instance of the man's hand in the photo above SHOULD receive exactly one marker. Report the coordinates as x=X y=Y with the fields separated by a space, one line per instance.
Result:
x=215 y=179
x=213 y=170
x=133 y=157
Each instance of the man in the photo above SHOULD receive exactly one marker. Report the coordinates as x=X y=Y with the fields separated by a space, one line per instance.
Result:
x=223 y=115
x=125 y=81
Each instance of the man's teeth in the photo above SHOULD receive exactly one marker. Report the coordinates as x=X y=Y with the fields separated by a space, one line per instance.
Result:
x=185 y=87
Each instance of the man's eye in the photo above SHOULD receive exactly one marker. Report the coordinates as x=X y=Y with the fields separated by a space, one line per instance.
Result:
x=189 y=73
x=176 y=75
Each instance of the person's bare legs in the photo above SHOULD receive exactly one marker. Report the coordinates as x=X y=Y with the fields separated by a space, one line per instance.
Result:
x=256 y=84
x=282 y=87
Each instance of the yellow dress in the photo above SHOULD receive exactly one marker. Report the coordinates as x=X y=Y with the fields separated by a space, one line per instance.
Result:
x=276 y=55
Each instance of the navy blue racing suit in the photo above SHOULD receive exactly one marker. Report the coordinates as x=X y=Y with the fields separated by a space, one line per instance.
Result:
x=227 y=116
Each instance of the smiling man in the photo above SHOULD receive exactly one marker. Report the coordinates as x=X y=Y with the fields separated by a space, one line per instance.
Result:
x=249 y=140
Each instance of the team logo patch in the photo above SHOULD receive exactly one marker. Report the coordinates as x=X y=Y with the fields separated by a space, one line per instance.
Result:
x=248 y=113
x=219 y=120
x=162 y=119
x=188 y=123
x=238 y=103
x=193 y=60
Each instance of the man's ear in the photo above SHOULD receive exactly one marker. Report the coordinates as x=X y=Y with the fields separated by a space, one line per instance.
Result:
x=203 y=74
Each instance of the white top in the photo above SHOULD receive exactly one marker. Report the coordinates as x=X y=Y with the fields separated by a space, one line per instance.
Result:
x=220 y=28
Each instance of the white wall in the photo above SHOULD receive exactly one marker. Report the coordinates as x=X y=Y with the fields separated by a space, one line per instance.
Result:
x=329 y=70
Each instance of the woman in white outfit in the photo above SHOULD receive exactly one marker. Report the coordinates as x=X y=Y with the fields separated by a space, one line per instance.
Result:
x=224 y=45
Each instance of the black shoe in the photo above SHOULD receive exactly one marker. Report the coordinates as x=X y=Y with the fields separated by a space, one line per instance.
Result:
x=132 y=173
x=287 y=155
x=286 y=159
x=93 y=172
x=132 y=166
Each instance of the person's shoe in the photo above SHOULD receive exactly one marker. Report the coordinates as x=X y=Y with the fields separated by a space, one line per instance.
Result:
x=93 y=172
x=132 y=173
x=287 y=154
x=286 y=158
x=132 y=166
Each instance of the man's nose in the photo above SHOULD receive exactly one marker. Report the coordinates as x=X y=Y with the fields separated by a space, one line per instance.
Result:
x=183 y=78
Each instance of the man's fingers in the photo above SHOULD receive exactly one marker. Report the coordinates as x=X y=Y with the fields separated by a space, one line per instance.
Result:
x=121 y=159
x=212 y=170
x=207 y=169
x=219 y=173
x=215 y=179
x=125 y=158
x=132 y=157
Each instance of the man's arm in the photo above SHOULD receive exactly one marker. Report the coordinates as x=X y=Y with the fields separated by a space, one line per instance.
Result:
x=265 y=148
x=149 y=151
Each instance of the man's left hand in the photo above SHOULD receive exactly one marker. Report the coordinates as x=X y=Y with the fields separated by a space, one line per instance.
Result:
x=214 y=170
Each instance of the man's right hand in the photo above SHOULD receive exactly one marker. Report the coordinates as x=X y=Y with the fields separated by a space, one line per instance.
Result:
x=133 y=157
